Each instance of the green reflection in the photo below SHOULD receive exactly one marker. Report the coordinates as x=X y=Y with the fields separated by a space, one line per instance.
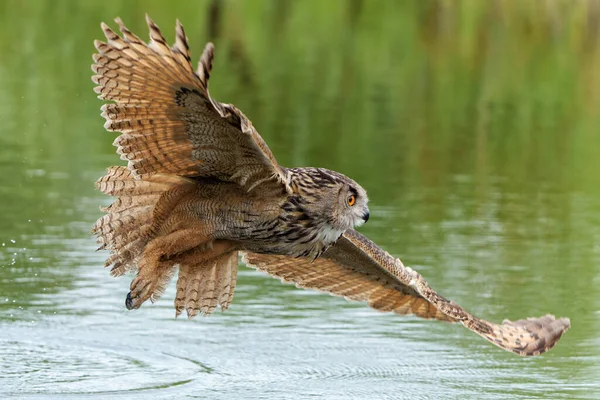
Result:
x=472 y=124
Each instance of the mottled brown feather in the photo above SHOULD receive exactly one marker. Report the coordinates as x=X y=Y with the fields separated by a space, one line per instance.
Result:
x=128 y=226
x=169 y=122
x=203 y=286
x=358 y=269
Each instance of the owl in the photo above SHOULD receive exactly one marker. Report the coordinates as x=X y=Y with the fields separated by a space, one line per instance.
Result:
x=202 y=188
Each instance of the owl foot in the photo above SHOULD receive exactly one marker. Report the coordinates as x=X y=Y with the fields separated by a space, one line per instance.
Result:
x=140 y=292
x=150 y=283
x=129 y=302
x=155 y=267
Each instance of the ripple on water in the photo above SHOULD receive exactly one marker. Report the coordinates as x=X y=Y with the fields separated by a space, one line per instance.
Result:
x=34 y=368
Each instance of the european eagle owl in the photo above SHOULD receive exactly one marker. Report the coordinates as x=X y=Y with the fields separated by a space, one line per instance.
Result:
x=202 y=187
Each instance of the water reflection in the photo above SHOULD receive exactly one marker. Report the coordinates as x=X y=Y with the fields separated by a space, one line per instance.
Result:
x=475 y=137
x=78 y=338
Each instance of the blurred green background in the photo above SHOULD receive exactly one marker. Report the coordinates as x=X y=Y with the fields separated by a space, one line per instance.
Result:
x=473 y=125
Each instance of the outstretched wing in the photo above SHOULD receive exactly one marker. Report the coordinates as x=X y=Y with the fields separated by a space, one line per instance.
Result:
x=358 y=269
x=167 y=119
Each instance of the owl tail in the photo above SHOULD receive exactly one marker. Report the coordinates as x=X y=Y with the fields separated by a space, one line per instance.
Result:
x=203 y=286
x=130 y=221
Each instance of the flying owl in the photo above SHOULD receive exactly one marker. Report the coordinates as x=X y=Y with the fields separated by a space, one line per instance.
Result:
x=202 y=187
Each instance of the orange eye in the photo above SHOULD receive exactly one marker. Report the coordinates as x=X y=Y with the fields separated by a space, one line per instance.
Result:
x=351 y=200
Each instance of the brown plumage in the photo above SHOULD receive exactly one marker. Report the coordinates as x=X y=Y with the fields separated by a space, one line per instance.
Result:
x=202 y=186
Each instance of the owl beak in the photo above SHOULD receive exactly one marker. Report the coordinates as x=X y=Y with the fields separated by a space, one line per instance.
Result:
x=366 y=216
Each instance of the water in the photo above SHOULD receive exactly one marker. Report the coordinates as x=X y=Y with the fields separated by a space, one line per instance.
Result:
x=473 y=128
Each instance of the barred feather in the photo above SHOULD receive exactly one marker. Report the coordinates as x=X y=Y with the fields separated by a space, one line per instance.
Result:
x=331 y=277
x=201 y=287
x=359 y=270
x=169 y=122
x=127 y=227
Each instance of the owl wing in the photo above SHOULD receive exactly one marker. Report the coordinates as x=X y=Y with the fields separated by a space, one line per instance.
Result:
x=167 y=119
x=358 y=269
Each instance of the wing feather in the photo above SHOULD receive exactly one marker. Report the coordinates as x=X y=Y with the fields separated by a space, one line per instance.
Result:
x=358 y=269
x=326 y=275
x=167 y=119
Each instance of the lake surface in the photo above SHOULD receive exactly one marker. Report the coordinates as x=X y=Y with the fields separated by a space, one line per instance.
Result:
x=474 y=126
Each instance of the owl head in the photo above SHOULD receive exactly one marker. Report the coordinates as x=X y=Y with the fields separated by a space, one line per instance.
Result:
x=334 y=197
x=351 y=209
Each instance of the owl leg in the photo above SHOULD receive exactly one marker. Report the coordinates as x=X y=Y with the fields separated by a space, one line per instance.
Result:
x=156 y=262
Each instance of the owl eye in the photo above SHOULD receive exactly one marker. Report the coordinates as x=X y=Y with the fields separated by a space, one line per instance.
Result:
x=351 y=200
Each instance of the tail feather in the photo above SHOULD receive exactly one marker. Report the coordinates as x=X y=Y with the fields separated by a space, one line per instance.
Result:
x=202 y=287
x=183 y=280
x=206 y=293
x=229 y=279
x=164 y=280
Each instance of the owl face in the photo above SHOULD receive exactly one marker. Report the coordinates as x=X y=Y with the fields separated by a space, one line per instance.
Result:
x=351 y=206
x=331 y=197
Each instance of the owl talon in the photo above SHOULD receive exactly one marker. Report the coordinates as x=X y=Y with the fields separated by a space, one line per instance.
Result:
x=135 y=302
x=129 y=301
x=136 y=289
x=141 y=290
